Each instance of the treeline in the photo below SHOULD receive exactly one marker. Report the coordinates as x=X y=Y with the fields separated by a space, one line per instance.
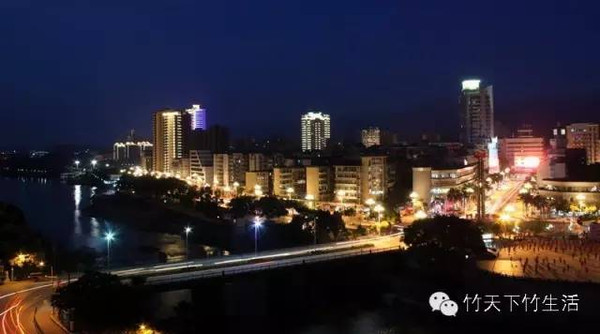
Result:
x=37 y=254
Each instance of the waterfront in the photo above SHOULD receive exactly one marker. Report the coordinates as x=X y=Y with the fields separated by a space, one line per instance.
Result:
x=54 y=209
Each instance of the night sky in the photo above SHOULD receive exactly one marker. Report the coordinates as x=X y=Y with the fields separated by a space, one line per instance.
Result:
x=87 y=71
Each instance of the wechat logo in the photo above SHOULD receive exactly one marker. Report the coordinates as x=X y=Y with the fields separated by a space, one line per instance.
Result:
x=440 y=301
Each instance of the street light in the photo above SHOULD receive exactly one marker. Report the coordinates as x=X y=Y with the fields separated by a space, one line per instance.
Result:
x=370 y=202
x=257 y=224
x=289 y=191
x=187 y=231
x=94 y=162
x=77 y=162
x=108 y=236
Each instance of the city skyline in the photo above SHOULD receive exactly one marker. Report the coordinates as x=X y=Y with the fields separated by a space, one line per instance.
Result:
x=299 y=166
x=312 y=64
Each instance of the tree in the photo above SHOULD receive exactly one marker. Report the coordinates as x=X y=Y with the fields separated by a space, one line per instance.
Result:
x=100 y=302
x=560 y=204
x=271 y=206
x=447 y=233
x=541 y=203
x=241 y=206
x=527 y=200
x=456 y=196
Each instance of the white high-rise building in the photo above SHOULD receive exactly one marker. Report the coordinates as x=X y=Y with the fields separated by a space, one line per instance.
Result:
x=316 y=131
x=476 y=113
x=198 y=115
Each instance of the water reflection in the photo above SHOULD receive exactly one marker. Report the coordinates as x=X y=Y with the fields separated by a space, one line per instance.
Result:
x=77 y=195
x=56 y=211
x=95 y=227
x=77 y=212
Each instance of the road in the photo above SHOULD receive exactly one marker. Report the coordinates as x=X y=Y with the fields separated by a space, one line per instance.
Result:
x=24 y=306
x=306 y=252
x=504 y=195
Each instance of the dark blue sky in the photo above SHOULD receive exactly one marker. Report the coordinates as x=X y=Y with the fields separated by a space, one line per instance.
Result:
x=87 y=71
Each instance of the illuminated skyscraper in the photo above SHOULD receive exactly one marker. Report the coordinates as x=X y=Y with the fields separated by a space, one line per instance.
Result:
x=198 y=117
x=476 y=113
x=170 y=130
x=316 y=131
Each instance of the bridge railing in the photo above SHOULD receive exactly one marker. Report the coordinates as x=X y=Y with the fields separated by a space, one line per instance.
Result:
x=246 y=268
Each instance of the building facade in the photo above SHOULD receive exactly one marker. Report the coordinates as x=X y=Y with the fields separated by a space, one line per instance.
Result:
x=316 y=131
x=293 y=178
x=347 y=183
x=197 y=117
x=431 y=182
x=319 y=183
x=586 y=136
x=524 y=151
x=573 y=191
x=201 y=167
x=375 y=180
x=170 y=132
x=261 y=180
x=229 y=168
x=259 y=162
x=476 y=113
x=370 y=136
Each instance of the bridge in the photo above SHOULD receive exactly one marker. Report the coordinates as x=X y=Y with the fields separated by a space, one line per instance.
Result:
x=253 y=262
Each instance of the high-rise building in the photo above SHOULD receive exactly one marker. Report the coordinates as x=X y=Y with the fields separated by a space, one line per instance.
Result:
x=198 y=117
x=171 y=130
x=371 y=136
x=132 y=151
x=316 y=131
x=586 y=136
x=476 y=113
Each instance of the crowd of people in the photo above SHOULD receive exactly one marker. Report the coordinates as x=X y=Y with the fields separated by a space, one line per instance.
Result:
x=553 y=258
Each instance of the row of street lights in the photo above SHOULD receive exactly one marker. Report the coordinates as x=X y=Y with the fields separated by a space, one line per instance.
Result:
x=94 y=162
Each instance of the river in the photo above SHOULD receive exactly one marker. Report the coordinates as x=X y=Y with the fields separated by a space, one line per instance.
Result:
x=53 y=209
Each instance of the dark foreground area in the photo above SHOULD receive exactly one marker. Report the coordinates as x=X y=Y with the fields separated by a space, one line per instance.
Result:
x=384 y=293
x=380 y=294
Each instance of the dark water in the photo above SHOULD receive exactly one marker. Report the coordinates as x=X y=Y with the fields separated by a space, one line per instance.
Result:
x=54 y=210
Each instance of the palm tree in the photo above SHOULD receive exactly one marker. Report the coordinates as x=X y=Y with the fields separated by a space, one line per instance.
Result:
x=455 y=195
x=540 y=203
x=527 y=200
